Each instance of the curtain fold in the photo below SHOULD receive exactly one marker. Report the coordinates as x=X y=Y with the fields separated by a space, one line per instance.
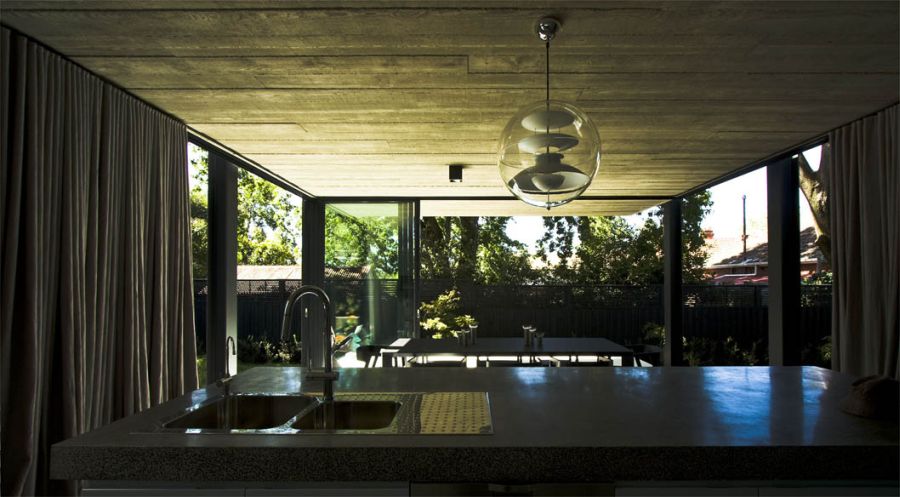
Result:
x=863 y=181
x=97 y=311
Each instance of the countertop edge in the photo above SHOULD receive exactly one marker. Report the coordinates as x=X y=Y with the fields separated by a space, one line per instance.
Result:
x=482 y=464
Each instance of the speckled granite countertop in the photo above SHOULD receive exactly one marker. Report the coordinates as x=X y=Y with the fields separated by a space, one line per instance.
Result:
x=550 y=424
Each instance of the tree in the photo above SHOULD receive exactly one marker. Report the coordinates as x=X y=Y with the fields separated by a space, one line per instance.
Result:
x=473 y=249
x=812 y=184
x=611 y=251
x=501 y=260
x=605 y=253
x=269 y=220
x=436 y=252
x=559 y=240
x=269 y=223
x=352 y=241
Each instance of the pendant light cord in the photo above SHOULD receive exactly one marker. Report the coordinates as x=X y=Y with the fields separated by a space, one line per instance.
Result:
x=548 y=95
x=548 y=74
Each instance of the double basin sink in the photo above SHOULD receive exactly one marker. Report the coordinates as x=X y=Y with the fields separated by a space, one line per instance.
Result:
x=352 y=413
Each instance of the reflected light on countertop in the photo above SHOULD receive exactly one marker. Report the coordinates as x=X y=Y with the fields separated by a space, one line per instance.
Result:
x=531 y=376
x=742 y=404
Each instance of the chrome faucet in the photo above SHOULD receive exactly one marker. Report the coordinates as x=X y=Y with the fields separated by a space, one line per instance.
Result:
x=328 y=349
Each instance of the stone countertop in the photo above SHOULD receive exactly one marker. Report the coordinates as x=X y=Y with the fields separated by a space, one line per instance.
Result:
x=550 y=424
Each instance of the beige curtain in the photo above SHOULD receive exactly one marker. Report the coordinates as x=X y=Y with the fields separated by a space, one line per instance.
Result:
x=863 y=180
x=97 y=311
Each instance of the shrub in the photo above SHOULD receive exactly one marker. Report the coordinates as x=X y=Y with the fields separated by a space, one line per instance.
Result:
x=444 y=308
x=442 y=313
x=655 y=334
x=708 y=352
x=253 y=350
x=818 y=353
x=289 y=351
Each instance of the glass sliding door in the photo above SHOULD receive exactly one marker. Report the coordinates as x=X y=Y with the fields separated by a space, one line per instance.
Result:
x=370 y=273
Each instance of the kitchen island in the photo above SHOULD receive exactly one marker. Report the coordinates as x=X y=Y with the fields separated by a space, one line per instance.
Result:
x=737 y=424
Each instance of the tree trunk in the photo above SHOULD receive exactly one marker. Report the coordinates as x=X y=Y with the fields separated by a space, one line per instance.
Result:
x=814 y=189
x=435 y=249
x=467 y=266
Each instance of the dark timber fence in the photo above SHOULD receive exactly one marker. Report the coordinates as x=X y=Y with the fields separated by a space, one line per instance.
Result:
x=618 y=312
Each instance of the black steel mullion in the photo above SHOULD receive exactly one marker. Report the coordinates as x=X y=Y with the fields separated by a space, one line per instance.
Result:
x=313 y=271
x=672 y=282
x=783 y=183
x=221 y=311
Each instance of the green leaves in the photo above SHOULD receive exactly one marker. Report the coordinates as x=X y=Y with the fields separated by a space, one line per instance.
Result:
x=354 y=242
x=473 y=249
x=610 y=251
x=269 y=219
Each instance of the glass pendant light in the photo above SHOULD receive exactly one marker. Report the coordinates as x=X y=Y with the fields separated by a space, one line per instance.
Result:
x=550 y=150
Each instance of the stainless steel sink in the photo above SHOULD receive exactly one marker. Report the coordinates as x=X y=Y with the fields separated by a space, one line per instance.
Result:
x=349 y=415
x=243 y=412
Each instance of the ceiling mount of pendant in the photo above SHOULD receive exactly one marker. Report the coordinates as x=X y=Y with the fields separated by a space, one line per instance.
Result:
x=546 y=28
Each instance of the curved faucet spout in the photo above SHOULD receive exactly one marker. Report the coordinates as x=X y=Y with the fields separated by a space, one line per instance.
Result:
x=294 y=297
x=328 y=376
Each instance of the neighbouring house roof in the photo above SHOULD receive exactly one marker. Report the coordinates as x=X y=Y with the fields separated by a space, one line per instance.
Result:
x=759 y=254
x=295 y=273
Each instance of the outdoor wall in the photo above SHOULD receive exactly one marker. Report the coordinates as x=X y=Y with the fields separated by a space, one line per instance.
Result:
x=624 y=314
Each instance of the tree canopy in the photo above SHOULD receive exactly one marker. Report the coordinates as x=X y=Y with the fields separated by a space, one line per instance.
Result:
x=269 y=220
x=352 y=241
x=473 y=249
x=573 y=250
x=609 y=250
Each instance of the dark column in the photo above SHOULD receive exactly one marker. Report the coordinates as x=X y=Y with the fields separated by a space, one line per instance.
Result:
x=313 y=257
x=221 y=310
x=672 y=262
x=784 y=263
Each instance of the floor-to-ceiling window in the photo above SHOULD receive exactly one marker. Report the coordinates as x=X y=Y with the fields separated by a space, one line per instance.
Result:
x=198 y=170
x=269 y=264
x=815 y=262
x=368 y=254
x=725 y=240
x=726 y=302
x=568 y=276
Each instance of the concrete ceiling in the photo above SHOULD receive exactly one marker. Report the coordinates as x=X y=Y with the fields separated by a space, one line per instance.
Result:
x=377 y=98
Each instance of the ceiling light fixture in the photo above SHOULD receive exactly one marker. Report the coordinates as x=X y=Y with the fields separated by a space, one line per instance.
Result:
x=456 y=173
x=550 y=150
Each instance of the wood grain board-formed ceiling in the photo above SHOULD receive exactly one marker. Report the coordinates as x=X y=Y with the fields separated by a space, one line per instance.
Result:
x=376 y=98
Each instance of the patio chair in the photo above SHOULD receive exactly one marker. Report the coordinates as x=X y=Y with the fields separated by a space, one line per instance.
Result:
x=650 y=354
x=369 y=354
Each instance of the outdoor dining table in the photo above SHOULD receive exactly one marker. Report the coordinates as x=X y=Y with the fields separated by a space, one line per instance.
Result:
x=515 y=346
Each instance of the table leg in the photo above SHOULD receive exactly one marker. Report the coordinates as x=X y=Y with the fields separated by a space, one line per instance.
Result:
x=387 y=359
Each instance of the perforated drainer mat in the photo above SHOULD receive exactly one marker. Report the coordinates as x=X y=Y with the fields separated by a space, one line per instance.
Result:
x=457 y=413
x=434 y=413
